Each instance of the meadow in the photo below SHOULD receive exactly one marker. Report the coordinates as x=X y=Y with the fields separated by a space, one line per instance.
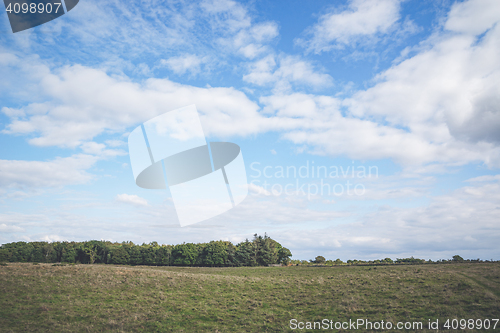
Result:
x=116 y=298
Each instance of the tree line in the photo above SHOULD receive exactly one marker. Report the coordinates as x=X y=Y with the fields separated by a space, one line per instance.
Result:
x=320 y=260
x=261 y=251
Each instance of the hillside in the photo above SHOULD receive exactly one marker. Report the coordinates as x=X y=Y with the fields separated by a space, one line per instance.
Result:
x=80 y=298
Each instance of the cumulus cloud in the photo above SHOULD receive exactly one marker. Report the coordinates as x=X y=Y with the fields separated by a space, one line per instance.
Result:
x=473 y=16
x=317 y=122
x=438 y=106
x=486 y=178
x=84 y=102
x=446 y=95
x=362 y=18
x=115 y=143
x=10 y=228
x=463 y=222
x=185 y=63
x=437 y=125
x=122 y=36
x=283 y=71
x=132 y=199
x=99 y=149
x=256 y=189
x=236 y=31
x=266 y=207
x=130 y=29
x=56 y=173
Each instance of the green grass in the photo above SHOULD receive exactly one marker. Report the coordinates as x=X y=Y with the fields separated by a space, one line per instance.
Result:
x=107 y=298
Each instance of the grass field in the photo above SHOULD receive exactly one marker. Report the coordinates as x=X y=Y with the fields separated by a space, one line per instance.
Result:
x=107 y=298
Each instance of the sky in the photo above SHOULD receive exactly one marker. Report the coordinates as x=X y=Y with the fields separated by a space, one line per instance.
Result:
x=369 y=128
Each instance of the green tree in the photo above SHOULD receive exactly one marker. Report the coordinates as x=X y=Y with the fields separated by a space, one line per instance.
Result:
x=21 y=251
x=267 y=250
x=70 y=255
x=91 y=252
x=5 y=254
x=164 y=254
x=231 y=255
x=37 y=252
x=184 y=254
x=135 y=255
x=215 y=254
x=149 y=253
x=245 y=254
x=284 y=255
x=260 y=251
x=49 y=254
x=119 y=255
x=319 y=260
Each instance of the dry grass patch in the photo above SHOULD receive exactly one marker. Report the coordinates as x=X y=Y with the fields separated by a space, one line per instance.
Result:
x=81 y=298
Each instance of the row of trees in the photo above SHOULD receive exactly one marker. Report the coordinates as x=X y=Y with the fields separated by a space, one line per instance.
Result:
x=320 y=260
x=261 y=251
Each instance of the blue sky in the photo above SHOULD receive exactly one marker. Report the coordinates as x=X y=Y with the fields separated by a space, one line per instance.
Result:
x=407 y=89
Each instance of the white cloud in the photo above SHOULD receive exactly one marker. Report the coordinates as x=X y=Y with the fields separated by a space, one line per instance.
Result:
x=56 y=173
x=261 y=71
x=115 y=143
x=438 y=106
x=363 y=18
x=263 y=207
x=229 y=14
x=446 y=96
x=258 y=189
x=127 y=28
x=487 y=178
x=185 y=63
x=85 y=102
x=252 y=42
x=285 y=71
x=132 y=199
x=237 y=33
x=449 y=88
x=264 y=32
x=318 y=122
x=464 y=222
x=473 y=16
x=13 y=113
x=124 y=36
x=10 y=228
x=93 y=148
x=52 y=238
x=99 y=149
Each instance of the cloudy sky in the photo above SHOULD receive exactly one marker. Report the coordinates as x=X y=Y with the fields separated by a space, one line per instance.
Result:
x=369 y=128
